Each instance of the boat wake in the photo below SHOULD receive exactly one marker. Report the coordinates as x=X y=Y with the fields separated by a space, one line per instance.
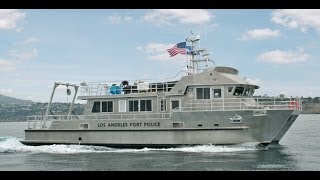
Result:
x=9 y=144
x=217 y=148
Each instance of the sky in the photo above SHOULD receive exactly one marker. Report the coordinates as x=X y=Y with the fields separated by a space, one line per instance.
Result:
x=277 y=49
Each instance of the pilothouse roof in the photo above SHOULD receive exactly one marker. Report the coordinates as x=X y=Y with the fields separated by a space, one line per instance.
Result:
x=224 y=69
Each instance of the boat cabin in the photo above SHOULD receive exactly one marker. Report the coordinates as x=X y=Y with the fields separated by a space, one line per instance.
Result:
x=212 y=85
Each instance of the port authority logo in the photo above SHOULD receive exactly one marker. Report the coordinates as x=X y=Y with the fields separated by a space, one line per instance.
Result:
x=236 y=119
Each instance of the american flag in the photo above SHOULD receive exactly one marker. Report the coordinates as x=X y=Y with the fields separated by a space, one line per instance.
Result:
x=178 y=48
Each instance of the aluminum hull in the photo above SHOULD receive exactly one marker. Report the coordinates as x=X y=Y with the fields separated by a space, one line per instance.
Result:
x=199 y=128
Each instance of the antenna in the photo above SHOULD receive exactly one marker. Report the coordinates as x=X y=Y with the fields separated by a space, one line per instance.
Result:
x=205 y=34
x=202 y=56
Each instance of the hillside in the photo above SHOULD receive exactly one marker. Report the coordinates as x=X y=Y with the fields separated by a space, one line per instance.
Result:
x=11 y=100
x=12 y=109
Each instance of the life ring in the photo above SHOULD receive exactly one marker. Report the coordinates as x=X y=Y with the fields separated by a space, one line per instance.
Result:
x=294 y=105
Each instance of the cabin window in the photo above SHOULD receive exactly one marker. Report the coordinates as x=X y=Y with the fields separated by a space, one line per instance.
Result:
x=246 y=91
x=145 y=105
x=133 y=105
x=163 y=105
x=122 y=106
x=230 y=88
x=203 y=93
x=175 y=104
x=96 y=107
x=217 y=93
x=251 y=92
x=238 y=91
x=107 y=106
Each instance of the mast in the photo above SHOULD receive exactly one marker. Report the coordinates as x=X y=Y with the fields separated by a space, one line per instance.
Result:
x=195 y=59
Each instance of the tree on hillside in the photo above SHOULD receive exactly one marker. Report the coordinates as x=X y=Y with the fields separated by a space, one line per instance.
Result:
x=309 y=99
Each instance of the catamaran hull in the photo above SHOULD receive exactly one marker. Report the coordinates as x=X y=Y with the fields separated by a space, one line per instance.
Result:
x=286 y=126
x=198 y=128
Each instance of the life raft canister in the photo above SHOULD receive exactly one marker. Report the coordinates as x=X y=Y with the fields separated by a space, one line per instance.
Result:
x=294 y=105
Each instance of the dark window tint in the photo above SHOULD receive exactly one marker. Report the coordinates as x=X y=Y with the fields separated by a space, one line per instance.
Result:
x=107 y=106
x=238 y=91
x=174 y=104
x=149 y=106
x=96 y=107
x=230 y=88
x=203 y=93
x=133 y=105
x=199 y=93
x=217 y=93
x=145 y=105
x=163 y=105
x=206 y=93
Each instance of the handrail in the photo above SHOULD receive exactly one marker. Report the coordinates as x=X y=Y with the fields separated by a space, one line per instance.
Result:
x=102 y=117
x=110 y=88
x=41 y=122
x=241 y=104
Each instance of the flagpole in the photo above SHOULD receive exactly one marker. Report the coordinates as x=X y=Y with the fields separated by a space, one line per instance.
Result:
x=188 y=71
x=187 y=61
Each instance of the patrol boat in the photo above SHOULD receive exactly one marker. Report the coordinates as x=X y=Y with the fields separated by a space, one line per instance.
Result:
x=206 y=104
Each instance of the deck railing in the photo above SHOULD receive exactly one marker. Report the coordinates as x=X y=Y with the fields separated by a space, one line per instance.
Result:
x=109 y=88
x=39 y=121
x=129 y=86
x=241 y=104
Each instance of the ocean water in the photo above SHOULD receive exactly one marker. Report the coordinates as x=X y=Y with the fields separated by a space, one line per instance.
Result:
x=299 y=150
